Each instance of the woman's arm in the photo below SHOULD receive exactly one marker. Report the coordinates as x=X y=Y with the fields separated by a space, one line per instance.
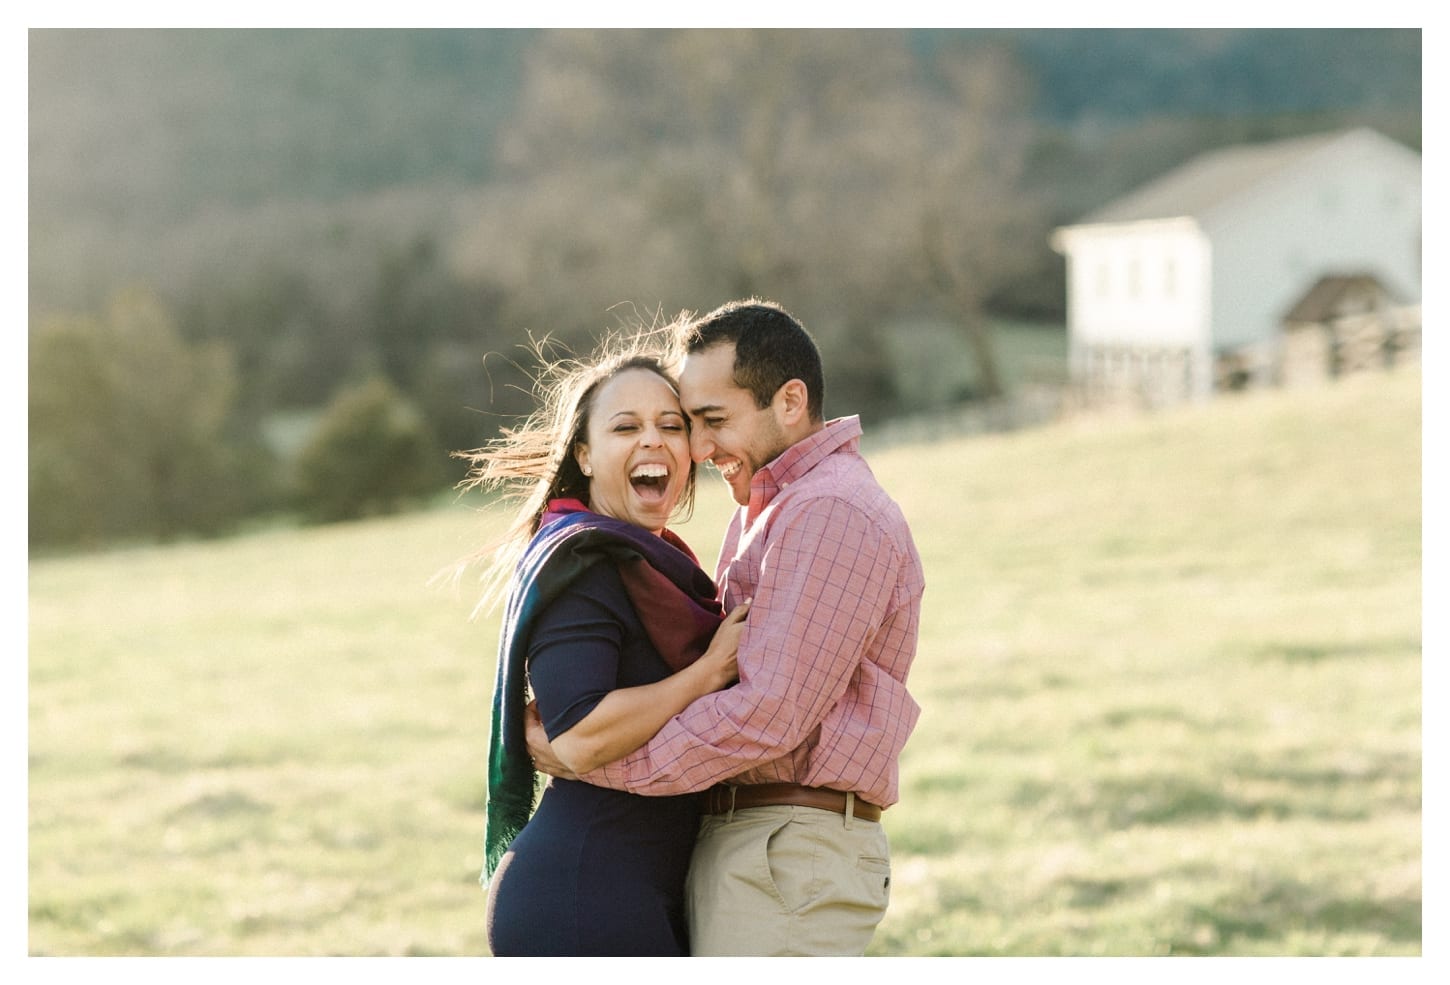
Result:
x=627 y=718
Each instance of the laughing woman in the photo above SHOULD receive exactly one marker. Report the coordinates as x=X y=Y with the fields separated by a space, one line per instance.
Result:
x=614 y=628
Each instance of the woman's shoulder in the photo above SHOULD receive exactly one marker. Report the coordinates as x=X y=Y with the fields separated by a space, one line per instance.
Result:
x=601 y=577
x=596 y=590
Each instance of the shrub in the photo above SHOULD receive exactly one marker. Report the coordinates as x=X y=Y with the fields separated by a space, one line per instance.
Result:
x=372 y=453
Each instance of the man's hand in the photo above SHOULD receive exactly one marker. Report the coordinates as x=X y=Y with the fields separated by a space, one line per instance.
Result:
x=538 y=742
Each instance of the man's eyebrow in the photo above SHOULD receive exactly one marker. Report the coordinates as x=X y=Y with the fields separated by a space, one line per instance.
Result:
x=705 y=409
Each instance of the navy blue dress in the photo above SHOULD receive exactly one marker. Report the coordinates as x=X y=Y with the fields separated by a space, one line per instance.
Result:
x=595 y=871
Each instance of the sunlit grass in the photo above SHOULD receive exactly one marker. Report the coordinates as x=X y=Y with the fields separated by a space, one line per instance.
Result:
x=1172 y=677
x=1170 y=670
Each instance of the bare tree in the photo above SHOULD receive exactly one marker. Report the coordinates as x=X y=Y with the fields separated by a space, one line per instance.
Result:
x=834 y=170
x=977 y=164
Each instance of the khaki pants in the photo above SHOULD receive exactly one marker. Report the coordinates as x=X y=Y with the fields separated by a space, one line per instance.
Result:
x=786 y=880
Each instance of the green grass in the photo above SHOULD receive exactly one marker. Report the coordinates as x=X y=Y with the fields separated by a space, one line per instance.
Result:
x=1170 y=670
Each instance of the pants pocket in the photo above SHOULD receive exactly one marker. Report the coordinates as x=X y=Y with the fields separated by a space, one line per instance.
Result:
x=791 y=854
x=875 y=873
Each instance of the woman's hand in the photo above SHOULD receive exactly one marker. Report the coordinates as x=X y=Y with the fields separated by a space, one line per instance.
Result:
x=719 y=660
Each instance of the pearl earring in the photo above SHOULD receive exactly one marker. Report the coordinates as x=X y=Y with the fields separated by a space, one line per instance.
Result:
x=588 y=470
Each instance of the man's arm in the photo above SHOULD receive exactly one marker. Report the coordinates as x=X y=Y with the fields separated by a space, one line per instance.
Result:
x=625 y=718
x=817 y=604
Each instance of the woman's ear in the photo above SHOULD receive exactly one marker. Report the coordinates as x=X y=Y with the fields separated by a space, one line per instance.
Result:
x=581 y=455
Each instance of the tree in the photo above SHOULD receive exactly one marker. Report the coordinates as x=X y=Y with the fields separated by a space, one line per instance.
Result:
x=129 y=428
x=826 y=169
x=372 y=453
x=977 y=163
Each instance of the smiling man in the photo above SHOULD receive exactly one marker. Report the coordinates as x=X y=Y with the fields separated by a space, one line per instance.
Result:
x=798 y=760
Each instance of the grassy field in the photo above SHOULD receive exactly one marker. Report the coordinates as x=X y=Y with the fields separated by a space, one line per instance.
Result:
x=1170 y=669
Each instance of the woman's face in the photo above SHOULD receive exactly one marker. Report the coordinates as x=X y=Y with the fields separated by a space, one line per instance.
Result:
x=637 y=450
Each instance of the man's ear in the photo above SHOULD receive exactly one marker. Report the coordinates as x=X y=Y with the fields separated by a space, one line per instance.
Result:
x=791 y=400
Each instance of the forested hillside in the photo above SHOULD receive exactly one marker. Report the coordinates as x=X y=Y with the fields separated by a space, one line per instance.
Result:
x=143 y=139
x=371 y=223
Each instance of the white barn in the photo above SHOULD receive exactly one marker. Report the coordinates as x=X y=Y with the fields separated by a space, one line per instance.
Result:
x=1202 y=265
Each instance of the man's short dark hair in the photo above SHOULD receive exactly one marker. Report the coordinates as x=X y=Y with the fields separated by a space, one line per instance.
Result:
x=771 y=347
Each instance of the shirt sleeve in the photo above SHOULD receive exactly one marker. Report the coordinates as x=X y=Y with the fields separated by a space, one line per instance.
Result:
x=825 y=584
x=574 y=650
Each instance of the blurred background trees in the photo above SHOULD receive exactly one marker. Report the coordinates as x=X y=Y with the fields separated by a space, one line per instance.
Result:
x=313 y=216
x=132 y=430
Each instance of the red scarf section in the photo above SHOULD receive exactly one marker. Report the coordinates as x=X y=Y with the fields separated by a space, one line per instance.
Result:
x=669 y=596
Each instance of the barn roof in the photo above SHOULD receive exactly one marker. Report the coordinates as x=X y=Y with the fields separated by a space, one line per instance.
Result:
x=1325 y=299
x=1209 y=180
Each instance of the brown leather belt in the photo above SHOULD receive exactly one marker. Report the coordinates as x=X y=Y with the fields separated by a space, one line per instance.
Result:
x=723 y=798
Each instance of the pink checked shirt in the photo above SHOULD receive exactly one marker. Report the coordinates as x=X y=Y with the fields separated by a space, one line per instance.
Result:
x=822 y=698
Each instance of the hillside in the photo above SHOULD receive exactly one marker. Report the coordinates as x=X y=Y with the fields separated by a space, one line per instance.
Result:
x=1169 y=667
x=147 y=146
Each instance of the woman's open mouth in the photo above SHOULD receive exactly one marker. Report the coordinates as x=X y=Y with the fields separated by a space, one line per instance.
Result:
x=650 y=481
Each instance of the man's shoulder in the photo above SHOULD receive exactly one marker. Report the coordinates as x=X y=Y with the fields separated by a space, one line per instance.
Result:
x=850 y=525
x=847 y=477
x=844 y=485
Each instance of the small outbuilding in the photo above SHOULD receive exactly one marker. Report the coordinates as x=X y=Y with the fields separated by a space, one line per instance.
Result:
x=1346 y=324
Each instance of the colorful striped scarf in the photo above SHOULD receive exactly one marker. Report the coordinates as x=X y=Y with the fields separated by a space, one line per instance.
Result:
x=674 y=599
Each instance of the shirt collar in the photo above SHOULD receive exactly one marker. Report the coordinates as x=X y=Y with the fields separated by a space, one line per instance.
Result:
x=841 y=434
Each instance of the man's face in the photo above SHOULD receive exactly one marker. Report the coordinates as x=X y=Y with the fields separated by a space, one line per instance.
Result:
x=727 y=429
